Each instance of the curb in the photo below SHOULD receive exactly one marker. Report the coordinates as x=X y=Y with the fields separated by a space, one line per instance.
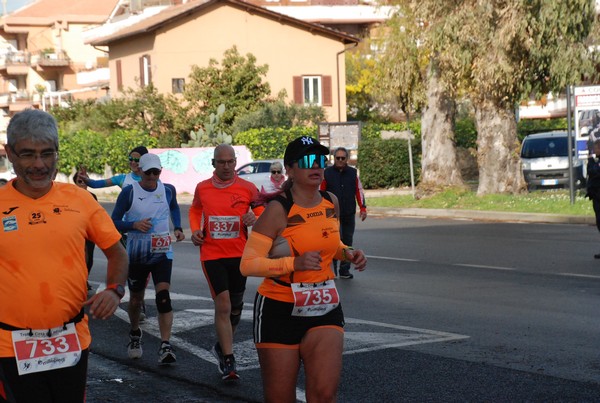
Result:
x=476 y=215
x=493 y=216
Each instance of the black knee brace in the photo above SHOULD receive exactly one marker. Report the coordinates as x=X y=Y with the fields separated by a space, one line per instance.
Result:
x=163 y=301
x=237 y=304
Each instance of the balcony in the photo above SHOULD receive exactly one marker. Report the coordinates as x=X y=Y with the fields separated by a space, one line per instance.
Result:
x=51 y=58
x=18 y=101
x=15 y=63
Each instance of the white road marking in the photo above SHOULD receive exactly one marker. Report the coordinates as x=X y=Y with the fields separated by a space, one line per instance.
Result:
x=355 y=341
x=480 y=266
x=360 y=342
x=578 y=275
x=245 y=352
x=399 y=259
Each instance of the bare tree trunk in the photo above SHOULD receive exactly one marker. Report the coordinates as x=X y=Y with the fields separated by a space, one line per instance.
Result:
x=438 y=161
x=498 y=150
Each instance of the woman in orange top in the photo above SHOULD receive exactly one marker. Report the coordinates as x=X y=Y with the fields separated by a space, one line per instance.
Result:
x=297 y=314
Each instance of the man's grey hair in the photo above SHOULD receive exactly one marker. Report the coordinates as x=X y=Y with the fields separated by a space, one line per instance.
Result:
x=342 y=149
x=32 y=124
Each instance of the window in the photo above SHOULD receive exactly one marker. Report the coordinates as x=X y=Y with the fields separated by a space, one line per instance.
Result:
x=178 y=85
x=145 y=71
x=313 y=90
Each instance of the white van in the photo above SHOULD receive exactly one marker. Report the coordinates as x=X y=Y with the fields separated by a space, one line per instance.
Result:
x=545 y=161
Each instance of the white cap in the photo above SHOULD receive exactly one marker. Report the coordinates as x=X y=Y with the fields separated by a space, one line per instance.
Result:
x=149 y=161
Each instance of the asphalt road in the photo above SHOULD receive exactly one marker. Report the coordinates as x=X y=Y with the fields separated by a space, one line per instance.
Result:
x=448 y=310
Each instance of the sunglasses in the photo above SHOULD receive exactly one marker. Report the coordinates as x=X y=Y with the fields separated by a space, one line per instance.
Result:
x=309 y=160
x=275 y=172
x=132 y=159
x=340 y=158
x=153 y=171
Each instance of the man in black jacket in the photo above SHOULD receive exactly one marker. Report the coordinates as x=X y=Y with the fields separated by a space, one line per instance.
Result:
x=342 y=180
x=593 y=182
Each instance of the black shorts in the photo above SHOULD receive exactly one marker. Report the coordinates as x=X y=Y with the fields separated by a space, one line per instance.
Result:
x=273 y=322
x=58 y=385
x=224 y=275
x=137 y=278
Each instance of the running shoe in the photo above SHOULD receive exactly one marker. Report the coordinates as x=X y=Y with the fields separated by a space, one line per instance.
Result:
x=218 y=353
x=229 y=370
x=166 y=353
x=346 y=274
x=134 y=348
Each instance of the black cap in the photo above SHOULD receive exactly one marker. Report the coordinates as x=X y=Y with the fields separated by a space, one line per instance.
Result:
x=302 y=146
x=141 y=150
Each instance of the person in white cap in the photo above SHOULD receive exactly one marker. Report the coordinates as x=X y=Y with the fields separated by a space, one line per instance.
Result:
x=142 y=210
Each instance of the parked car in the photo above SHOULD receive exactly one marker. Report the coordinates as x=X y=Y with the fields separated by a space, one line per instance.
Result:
x=257 y=172
x=545 y=161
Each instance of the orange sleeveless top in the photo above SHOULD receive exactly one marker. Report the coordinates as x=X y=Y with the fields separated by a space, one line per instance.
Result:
x=308 y=229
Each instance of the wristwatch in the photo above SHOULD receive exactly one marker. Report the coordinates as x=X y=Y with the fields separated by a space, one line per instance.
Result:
x=118 y=289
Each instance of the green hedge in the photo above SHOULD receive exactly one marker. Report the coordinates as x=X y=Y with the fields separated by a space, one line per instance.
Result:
x=269 y=143
x=382 y=163
x=94 y=150
x=529 y=126
x=386 y=163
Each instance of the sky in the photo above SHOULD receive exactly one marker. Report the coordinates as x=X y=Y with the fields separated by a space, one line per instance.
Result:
x=12 y=5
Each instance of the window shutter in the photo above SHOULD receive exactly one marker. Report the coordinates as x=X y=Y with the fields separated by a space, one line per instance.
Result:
x=119 y=76
x=298 y=96
x=142 y=72
x=327 y=92
x=149 y=72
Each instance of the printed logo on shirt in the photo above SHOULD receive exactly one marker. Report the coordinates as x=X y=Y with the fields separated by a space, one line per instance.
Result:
x=63 y=208
x=314 y=214
x=10 y=210
x=10 y=223
x=326 y=232
x=36 y=217
x=237 y=199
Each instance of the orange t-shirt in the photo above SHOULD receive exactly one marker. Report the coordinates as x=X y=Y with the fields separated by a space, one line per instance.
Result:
x=218 y=212
x=42 y=258
x=308 y=229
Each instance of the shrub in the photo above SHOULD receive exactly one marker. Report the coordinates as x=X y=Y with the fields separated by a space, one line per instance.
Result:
x=386 y=163
x=94 y=150
x=270 y=143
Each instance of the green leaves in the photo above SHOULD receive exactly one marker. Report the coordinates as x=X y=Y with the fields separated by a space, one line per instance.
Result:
x=95 y=151
x=237 y=83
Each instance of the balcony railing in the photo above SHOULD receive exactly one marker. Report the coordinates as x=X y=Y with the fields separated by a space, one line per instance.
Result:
x=17 y=58
x=19 y=100
x=27 y=59
x=51 y=59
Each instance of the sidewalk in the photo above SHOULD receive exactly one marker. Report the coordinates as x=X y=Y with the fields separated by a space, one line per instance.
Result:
x=493 y=216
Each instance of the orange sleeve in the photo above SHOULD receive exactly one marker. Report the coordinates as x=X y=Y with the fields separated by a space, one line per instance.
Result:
x=195 y=214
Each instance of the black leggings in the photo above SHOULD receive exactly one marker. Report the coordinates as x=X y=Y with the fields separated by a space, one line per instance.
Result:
x=65 y=385
x=596 y=205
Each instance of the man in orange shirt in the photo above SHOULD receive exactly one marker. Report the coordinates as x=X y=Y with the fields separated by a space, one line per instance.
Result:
x=44 y=333
x=219 y=219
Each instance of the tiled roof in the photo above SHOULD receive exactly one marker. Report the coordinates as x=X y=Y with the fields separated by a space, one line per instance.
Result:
x=48 y=11
x=173 y=13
